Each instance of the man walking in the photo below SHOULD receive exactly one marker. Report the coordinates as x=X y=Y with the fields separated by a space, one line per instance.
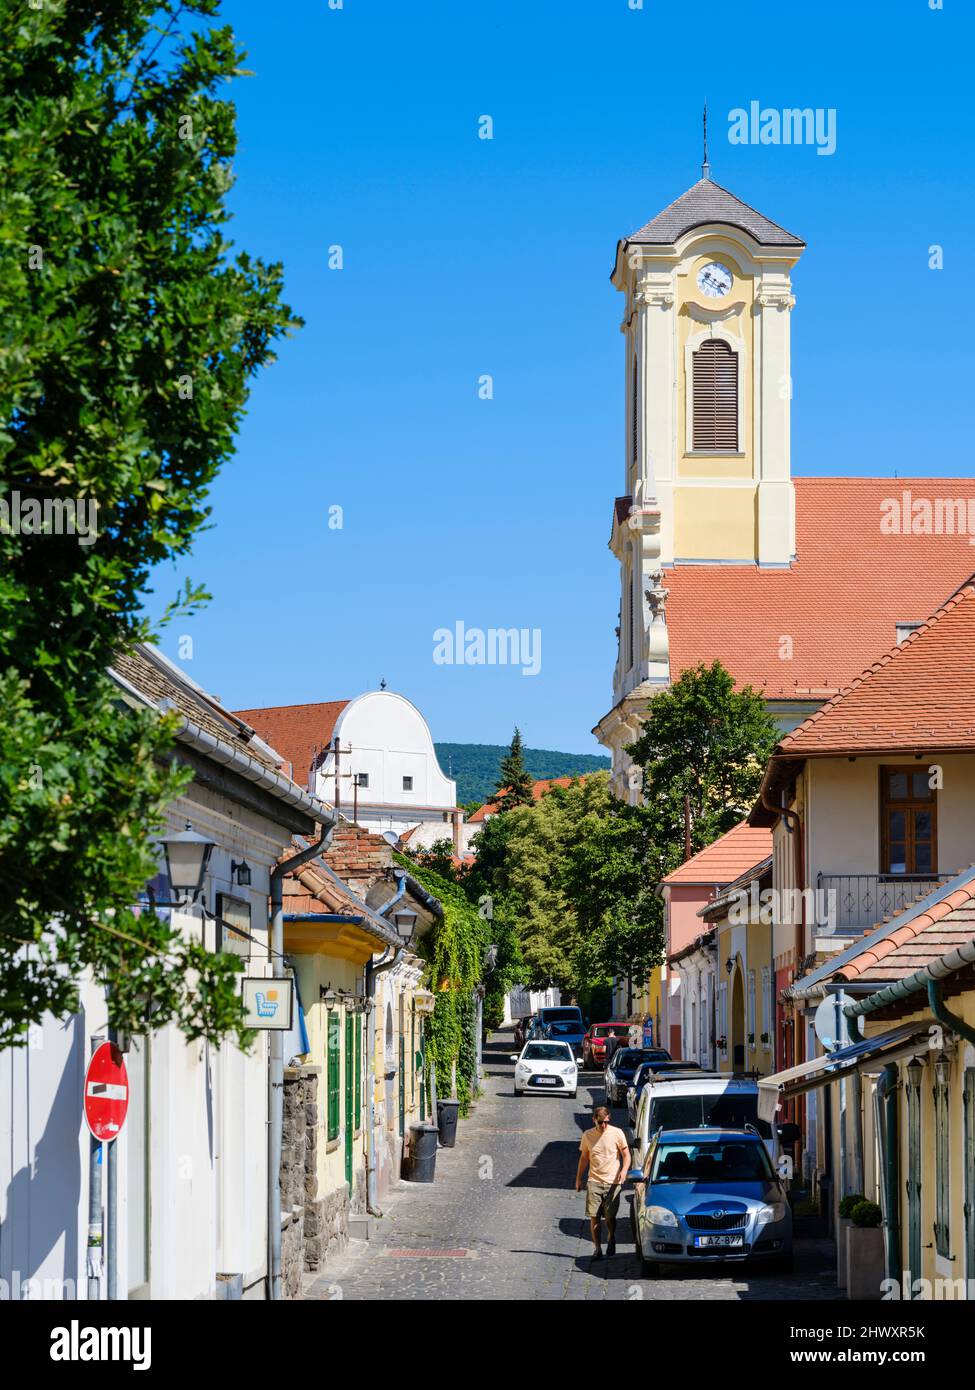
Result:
x=605 y=1152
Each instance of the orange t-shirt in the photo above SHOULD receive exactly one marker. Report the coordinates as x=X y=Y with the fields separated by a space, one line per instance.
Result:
x=605 y=1149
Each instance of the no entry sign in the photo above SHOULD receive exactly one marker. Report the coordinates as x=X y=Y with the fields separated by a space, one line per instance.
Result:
x=106 y=1093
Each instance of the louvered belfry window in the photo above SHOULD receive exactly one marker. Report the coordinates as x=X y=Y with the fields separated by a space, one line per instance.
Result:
x=715 y=397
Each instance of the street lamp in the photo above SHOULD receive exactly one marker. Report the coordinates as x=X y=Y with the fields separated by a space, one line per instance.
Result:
x=187 y=857
x=328 y=997
x=915 y=1070
x=405 y=921
x=241 y=872
x=942 y=1066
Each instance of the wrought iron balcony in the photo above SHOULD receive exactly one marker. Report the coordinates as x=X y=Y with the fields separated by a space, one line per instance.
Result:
x=857 y=901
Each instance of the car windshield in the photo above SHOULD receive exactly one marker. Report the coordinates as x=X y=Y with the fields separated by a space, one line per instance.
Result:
x=559 y=1030
x=553 y=1015
x=633 y=1057
x=603 y=1030
x=722 y=1161
x=727 y=1109
x=546 y=1052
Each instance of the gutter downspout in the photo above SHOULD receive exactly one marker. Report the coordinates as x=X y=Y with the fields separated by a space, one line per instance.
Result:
x=275 y=1099
x=372 y=970
x=944 y=1015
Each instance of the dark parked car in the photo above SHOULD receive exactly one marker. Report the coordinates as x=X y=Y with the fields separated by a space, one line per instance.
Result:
x=657 y=1068
x=623 y=1066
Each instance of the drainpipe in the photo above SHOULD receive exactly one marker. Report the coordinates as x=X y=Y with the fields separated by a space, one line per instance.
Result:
x=276 y=1063
x=944 y=1015
x=885 y=1102
x=372 y=970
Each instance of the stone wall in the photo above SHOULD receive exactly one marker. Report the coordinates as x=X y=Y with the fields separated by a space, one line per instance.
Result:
x=313 y=1227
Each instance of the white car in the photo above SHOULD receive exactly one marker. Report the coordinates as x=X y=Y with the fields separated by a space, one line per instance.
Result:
x=546 y=1066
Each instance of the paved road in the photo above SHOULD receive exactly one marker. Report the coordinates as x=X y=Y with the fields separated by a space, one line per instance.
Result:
x=502 y=1219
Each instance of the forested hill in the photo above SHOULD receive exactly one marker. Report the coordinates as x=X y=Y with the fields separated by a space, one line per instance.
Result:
x=475 y=766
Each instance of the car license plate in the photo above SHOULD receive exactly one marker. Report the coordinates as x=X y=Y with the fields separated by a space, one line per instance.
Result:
x=732 y=1241
x=546 y=1080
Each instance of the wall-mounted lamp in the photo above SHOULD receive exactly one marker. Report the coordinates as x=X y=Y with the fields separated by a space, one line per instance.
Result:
x=942 y=1066
x=915 y=1070
x=187 y=857
x=405 y=921
x=729 y=964
x=328 y=996
x=240 y=872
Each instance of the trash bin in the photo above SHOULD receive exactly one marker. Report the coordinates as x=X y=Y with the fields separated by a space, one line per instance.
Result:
x=423 y=1153
x=447 y=1121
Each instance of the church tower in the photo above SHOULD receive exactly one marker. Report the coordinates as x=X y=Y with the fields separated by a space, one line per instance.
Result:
x=707 y=301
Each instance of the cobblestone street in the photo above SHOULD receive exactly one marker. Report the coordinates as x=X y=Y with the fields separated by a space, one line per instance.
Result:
x=502 y=1220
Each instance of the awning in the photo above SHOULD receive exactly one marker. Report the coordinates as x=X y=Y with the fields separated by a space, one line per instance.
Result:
x=868 y=1055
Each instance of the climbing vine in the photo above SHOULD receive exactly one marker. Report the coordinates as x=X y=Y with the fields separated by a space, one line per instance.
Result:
x=453 y=951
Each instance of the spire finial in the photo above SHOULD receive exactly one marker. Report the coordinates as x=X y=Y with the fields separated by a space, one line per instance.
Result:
x=705 y=167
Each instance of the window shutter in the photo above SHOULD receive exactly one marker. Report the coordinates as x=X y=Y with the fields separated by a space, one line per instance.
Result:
x=715 y=397
x=334 y=1048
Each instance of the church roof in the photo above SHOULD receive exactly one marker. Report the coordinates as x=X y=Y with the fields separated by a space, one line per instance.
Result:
x=919 y=695
x=804 y=631
x=708 y=202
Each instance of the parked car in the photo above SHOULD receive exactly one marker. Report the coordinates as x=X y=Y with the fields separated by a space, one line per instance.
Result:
x=657 y=1067
x=546 y=1066
x=698 y=1100
x=521 y=1030
x=568 y=1030
x=709 y=1194
x=623 y=1066
x=594 y=1043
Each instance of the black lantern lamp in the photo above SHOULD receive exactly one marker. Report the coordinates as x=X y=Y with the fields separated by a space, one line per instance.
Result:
x=405 y=922
x=240 y=872
x=187 y=857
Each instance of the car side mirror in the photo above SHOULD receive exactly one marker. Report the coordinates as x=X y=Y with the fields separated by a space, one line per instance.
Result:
x=514 y=1056
x=789 y=1133
x=637 y=1175
x=578 y=1062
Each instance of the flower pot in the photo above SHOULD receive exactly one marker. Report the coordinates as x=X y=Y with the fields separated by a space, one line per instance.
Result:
x=865 y=1262
x=843 y=1223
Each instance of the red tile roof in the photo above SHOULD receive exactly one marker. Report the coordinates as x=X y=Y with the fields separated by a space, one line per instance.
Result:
x=838 y=603
x=735 y=852
x=538 y=791
x=943 y=927
x=298 y=732
x=920 y=694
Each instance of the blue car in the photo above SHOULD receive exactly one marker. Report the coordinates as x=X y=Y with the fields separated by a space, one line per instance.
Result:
x=567 y=1030
x=707 y=1195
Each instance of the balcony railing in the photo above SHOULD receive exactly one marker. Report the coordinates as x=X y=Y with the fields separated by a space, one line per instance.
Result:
x=856 y=901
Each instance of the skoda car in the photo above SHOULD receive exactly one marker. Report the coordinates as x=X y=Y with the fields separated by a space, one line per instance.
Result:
x=705 y=1195
x=546 y=1066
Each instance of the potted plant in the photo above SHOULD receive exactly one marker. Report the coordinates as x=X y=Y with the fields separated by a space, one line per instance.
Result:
x=865 y=1252
x=843 y=1221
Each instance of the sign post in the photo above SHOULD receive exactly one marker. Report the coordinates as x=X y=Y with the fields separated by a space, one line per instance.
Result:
x=106 y=1104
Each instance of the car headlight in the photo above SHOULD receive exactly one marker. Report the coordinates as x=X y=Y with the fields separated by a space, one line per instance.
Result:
x=661 y=1216
x=774 y=1212
x=522 y=1066
x=569 y=1071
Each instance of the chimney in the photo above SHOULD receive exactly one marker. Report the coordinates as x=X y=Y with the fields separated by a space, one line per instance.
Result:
x=457 y=820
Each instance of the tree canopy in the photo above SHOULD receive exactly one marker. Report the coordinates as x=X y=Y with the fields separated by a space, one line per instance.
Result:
x=130 y=332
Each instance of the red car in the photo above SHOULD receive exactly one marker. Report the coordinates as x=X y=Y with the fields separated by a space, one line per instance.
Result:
x=594 y=1043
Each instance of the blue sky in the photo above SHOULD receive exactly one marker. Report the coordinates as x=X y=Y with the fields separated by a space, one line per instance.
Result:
x=465 y=257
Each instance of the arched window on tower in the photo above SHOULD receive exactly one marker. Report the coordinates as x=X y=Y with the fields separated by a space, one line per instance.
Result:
x=715 y=397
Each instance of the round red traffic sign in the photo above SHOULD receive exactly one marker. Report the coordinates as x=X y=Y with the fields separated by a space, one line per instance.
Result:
x=106 y=1092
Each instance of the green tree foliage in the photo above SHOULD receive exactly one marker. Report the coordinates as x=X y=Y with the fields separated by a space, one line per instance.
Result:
x=130 y=332
x=476 y=767
x=514 y=783
x=704 y=740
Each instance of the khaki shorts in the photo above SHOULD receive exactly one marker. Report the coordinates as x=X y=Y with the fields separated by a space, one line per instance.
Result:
x=596 y=1191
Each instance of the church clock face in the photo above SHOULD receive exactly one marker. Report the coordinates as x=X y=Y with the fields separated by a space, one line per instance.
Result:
x=714 y=280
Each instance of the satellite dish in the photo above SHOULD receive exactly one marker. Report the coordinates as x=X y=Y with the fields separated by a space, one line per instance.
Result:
x=391 y=837
x=831 y=1024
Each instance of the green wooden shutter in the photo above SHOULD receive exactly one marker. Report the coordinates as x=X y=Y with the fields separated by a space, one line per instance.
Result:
x=970 y=1172
x=942 y=1194
x=334 y=1048
x=914 y=1181
x=349 y=1097
x=358 y=1073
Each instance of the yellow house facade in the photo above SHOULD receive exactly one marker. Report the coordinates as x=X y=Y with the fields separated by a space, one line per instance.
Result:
x=745 y=1008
